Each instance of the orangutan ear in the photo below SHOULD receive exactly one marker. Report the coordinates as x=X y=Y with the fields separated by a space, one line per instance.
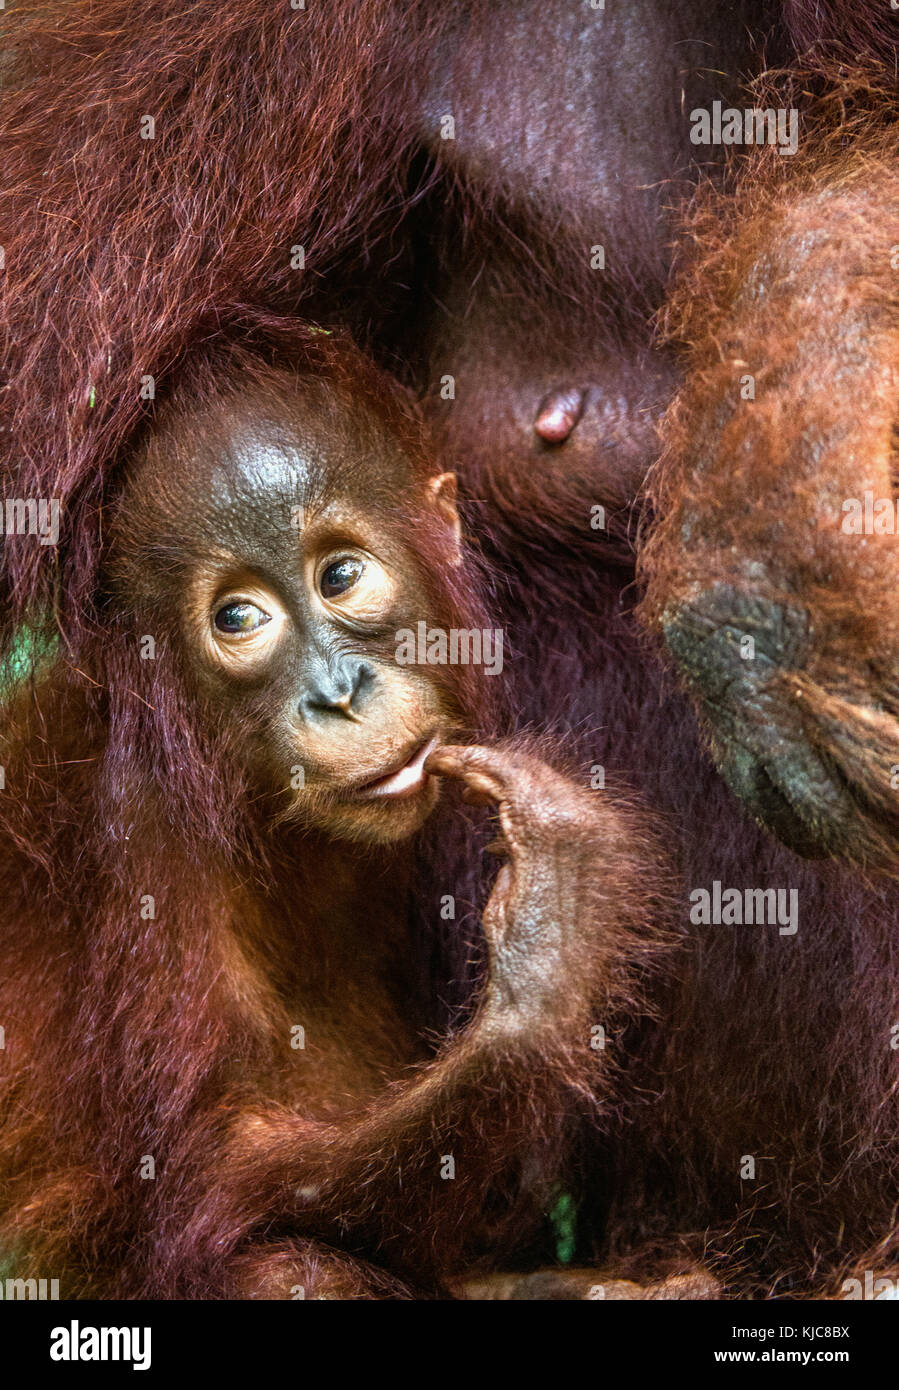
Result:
x=442 y=491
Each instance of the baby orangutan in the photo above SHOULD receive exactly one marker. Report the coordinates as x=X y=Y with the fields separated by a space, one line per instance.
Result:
x=220 y=1077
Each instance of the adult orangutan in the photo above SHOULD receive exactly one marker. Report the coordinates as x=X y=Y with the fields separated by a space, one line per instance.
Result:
x=491 y=198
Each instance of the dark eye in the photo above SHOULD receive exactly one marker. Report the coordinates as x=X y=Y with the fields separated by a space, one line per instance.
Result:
x=340 y=576
x=240 y=618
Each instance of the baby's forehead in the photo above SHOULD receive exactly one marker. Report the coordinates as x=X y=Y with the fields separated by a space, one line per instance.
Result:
x=263 y=463
x=249 y=477
x=303 y=452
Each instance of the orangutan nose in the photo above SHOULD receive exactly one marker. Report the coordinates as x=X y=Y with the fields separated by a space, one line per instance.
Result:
x=559 y=412
x=336 y=691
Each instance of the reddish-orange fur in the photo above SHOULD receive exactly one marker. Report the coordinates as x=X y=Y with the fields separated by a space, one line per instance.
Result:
x=124 y=256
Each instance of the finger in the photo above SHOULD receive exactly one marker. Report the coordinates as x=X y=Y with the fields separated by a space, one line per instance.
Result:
x=446 y=761
x=508 y=827
x=455 y=758
x=471 y=765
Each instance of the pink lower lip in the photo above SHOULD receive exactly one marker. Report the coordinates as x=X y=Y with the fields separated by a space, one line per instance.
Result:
x=407 y=779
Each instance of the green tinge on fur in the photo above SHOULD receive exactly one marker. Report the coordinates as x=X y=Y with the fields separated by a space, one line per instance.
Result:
x=30 y=651
x=563 y=1216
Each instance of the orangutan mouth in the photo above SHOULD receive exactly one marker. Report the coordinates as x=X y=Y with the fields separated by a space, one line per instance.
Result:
x=406 y=779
